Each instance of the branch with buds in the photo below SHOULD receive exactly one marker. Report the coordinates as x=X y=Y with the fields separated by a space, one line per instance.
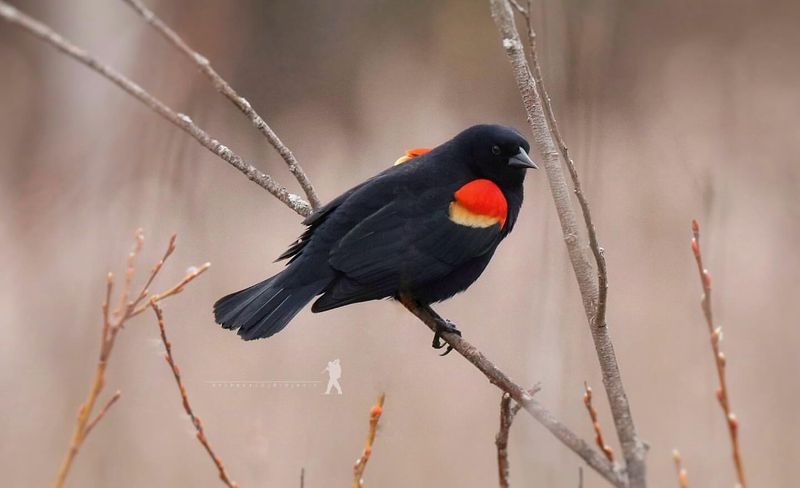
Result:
x=113 y=322
x=187 y=406
x=715 y=336
x=598 y=432
x=361 y=463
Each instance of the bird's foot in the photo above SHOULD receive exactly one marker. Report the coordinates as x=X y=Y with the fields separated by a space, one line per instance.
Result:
x=444 y=326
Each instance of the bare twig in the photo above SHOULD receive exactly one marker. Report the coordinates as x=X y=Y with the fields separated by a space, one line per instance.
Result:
x=598 y=432
x=683 y=477
x=599 y=318
x=361 y=463
x=187 y=406
x=113 y=322
x=507 y=414
x=302 y=477
x=633 y=448
x=715 y=336
x=225 y=88
x=109 y=403
x=45 y=33
x=610 y=471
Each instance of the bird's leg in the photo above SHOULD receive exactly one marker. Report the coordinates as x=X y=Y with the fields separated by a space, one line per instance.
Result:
x=442 y=326
x=426 y=313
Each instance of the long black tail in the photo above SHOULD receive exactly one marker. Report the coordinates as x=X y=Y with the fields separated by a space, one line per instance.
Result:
x=264 y=309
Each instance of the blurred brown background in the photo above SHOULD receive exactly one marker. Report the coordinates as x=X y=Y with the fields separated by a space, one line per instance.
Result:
x=673 y=110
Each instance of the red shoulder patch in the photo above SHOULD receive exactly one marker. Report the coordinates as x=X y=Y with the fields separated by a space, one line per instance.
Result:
x=484 y=198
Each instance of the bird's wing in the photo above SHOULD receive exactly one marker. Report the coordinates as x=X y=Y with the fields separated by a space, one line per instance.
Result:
x=404 y=244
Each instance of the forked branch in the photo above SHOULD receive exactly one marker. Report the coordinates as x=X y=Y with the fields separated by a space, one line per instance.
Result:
x=113 y=322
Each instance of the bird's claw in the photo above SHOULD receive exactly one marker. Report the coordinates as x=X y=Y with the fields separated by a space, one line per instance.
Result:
x=444 y=326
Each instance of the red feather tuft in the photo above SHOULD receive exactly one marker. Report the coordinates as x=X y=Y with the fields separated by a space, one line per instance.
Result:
x=417 y=151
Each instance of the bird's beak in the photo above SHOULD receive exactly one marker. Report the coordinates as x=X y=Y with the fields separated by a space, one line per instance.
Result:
x=522 y=160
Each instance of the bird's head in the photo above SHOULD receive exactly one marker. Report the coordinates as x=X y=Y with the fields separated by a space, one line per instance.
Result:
x=496 y=152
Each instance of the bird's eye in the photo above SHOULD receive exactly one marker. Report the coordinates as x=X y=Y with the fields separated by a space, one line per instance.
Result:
x=496 y=150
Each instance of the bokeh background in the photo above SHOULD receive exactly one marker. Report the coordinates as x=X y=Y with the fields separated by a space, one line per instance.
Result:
x=673 y=110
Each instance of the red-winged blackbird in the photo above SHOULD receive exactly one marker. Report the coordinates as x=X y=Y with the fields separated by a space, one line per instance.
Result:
x=425 y=229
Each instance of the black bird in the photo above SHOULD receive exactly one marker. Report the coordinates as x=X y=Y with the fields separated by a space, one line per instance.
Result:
x=425 y=229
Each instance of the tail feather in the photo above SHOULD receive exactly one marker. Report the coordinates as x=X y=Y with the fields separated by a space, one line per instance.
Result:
x=265 y=308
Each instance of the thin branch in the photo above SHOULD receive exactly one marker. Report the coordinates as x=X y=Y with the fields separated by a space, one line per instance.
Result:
x=715 y=336
x=598 y=432
x=225 y=88
x=45 y=33
x=191 y=274
x=361 y=463
x=507 y=414
x=683 y=476
x=187 y=406
x=109 y=403
x=112 y=324
x=633 y=448
x=599 y=319
x=610 y=471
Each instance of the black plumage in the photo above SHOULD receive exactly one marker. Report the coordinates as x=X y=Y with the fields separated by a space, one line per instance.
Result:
x=392 y=234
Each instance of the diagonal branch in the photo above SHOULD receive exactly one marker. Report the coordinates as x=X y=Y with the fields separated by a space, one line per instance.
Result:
x=610 y=471
x=45 y=33
x=225 y=88
x=633 y=448
x=187 y=406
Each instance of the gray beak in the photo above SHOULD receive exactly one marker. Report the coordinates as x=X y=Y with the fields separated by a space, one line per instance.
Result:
x=522 y=160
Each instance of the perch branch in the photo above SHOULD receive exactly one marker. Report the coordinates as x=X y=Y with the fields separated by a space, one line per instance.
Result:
x=598 y=432
x=45 y=33
x=610 y=471
x=683 y=476
x=225 y=88
x=633 y=448
x=113 y=322
x=715 y=335
x=198 y=425
x=361 y=463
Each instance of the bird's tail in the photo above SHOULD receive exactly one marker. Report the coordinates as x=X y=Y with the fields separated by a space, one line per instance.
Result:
x=265 y=308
